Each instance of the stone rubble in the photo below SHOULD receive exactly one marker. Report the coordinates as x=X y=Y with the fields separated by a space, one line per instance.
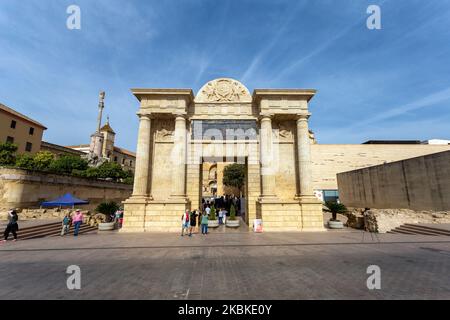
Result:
x=384 y=220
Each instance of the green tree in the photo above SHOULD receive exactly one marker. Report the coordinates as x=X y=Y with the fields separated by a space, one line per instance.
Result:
x=25 y=161
x=67 y=164
x=43 y=160
x=92 y=173
x=212 y=213
x=111 y=170
x=232 y=213
x=335 y=208
x=234 y=175
x=7 y=154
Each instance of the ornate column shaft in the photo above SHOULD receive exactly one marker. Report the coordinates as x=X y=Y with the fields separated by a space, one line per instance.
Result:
x=142 y=170
x=266 y=156
x=179 y=159
x=304 y=157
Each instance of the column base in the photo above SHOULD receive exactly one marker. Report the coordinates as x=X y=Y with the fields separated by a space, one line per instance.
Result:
x=303 y=215
x=144 y=215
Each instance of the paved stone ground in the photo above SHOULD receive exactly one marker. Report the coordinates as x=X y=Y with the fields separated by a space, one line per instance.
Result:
x=327 y=265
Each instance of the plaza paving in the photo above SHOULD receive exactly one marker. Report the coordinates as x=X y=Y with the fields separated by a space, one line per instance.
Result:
x=223 y=265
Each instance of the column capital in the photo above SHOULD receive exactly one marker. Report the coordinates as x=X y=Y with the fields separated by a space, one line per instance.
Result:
x=302 y=116
x=180 y=116
x=142 y=115
x=266 y=117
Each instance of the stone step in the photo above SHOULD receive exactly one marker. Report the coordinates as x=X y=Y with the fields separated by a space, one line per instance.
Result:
x=427 y=228
x=415 y=229
x=55 y=231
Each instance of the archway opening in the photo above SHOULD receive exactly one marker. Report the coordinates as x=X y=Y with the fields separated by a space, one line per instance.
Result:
x=220 y=197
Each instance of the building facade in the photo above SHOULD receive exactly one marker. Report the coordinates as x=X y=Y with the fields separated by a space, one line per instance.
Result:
x=60 y=151
x=21 y=130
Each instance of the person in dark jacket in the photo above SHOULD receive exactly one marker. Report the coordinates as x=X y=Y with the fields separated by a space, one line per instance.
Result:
x=192 y=222
x=12 y=226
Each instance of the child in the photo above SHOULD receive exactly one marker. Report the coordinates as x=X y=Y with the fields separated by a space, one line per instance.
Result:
x=66 y=224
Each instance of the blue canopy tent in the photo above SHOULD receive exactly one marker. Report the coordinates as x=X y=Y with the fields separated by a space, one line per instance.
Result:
x=66 y=200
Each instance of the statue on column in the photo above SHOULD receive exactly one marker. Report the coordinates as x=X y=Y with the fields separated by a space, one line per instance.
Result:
x=95 y=157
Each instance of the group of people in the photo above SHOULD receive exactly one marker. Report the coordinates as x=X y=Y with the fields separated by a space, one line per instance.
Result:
x=222 y=205
x=224 y=202
x=189 y=222
x=76 y=220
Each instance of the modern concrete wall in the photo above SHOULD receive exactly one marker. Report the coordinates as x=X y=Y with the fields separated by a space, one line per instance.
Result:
x=25 y=189
x=421 y=183
x=331 y=159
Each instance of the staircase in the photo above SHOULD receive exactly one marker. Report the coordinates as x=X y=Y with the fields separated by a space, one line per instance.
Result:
x=420 y=229
x=49 y=230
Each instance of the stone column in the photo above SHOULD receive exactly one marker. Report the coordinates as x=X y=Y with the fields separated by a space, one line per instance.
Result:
x=142 y=170
x=304 y=157
x=266 y=156
x=179 y=159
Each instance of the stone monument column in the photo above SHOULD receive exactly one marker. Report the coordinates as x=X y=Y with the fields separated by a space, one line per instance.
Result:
x=304 y=157
x=179 y=158
x=266 y=156
x=142 y=170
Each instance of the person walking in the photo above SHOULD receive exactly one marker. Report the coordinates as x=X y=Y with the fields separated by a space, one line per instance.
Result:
x=192 y=221
x=12 y=226
x=185 y=222
x=77 y=221
x=224 y=217
x=66 y=224
x=204 y=223
x=221 y=216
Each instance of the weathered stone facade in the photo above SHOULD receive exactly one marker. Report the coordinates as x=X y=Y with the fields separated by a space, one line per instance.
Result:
x=274 y=145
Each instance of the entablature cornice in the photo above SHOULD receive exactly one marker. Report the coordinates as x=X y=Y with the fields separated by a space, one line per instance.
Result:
x=164 y=101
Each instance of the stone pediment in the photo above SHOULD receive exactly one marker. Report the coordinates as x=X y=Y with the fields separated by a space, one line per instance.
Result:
x=223 y=90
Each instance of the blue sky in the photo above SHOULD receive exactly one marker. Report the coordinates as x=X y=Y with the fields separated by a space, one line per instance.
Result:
x=392 y=83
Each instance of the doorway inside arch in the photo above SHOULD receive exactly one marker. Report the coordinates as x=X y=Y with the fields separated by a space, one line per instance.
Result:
x=224 y=189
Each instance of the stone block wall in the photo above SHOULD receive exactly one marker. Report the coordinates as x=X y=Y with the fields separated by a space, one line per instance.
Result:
x=26 y=189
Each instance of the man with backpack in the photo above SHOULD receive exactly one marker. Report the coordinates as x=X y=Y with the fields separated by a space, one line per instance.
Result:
x=12 y=226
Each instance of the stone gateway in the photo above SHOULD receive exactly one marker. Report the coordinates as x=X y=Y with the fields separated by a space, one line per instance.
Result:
x=267 y=131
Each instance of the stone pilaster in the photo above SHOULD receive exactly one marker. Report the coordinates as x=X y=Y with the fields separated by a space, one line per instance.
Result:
x=304 y=157
x=179 y=159
x=266 y=156
x=142 y=170
x=311 y=207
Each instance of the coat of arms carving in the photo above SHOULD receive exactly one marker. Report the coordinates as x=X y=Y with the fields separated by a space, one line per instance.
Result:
x=223 y=90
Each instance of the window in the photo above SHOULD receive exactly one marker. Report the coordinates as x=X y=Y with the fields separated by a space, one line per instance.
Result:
x=123 y=161
x=9 y=140
x=13 y=124
x=131 y=163
x=115 y=159
x=31 y=132
x=29 y=146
